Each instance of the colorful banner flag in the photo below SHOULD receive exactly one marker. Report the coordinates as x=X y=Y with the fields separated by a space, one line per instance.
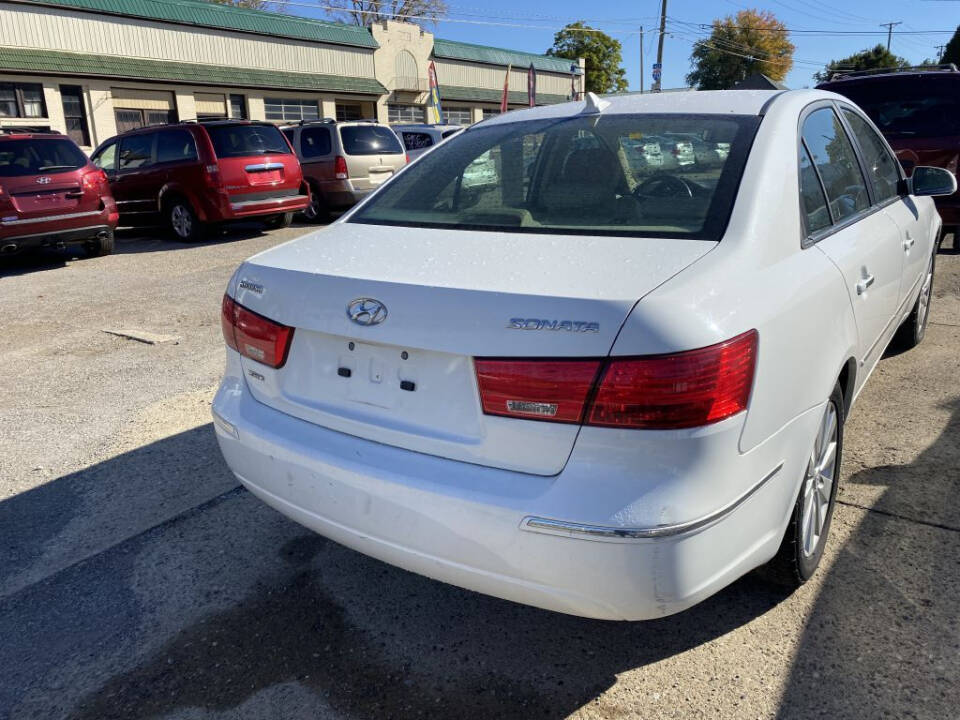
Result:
x=532 y=86
x=434 y=108
x=506 y=90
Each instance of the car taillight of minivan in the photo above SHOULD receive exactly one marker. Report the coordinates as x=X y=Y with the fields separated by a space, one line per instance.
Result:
x=340 y=168
x=253 y=335
x=655 y=392
x=212 y=176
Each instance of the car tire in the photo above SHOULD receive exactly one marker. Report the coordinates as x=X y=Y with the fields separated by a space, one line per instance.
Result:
x=806 y=536
x=317 y=211
x=911 y=332
x=283 y=220
x=182 y=221
x=100 y=245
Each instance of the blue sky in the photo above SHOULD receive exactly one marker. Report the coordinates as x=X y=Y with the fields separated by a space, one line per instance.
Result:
x=528 y=25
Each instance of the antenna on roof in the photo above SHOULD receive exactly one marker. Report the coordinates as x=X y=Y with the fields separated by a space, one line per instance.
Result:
x=594 y=105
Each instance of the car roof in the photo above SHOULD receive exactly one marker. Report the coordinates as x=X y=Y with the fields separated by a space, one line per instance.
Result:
x=701 y=102
x=948 y=70
x=427 y=126
x=10 y=133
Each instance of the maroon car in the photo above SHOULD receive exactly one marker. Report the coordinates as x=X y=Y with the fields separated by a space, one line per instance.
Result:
x=191 y=176
x=51 y=195
x=918 y=111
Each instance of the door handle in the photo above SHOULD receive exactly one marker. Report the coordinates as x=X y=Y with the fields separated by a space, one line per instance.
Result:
x=908 y=243
x=864 y=284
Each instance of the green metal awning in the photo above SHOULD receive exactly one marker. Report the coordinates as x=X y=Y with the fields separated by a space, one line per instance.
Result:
x=452 y=50
x=224 y=17
x=48 y=62
x=515 y=97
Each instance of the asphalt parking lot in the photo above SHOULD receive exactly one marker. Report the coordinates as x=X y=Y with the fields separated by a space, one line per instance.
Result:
x=137 y=580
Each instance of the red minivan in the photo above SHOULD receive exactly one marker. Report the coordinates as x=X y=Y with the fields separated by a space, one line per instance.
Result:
x=195 y=175
x=51 y=195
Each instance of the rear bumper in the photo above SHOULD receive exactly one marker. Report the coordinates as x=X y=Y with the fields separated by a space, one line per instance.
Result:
x=238 y=208
x=16 y=243
x=531 y=539
x=341 y=194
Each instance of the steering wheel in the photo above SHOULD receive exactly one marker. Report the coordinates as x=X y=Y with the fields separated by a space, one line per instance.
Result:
x=663 y=185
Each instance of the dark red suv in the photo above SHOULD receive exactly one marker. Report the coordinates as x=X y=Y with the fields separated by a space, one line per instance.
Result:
x=191 y=176
x=918 y=111
x=51 y=195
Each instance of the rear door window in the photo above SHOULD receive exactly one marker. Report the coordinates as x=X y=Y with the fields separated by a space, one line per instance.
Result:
x=136 y=151
x=36 y=156
x=881 y=167
x=835 y=161
x=175 y=146
x=369 y=140
x=245 y=140
x=315 y=142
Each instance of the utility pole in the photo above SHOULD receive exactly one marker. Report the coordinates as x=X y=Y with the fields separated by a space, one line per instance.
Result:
x=641 y=59
x=890 y=26
x=939 y=49
x=663 y=28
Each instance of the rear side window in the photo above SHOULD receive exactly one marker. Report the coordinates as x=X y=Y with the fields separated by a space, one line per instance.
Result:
x=243 y=140
x=448 y=133
x=836 y=163
x=924 y=105
x=315 y=142
x=136 y=151
x=416 y=140
x=369 y=140
x=881 y=167
x=175 y=146
x=811 y=195
x=570 y=176
x=35 y=156
x=106 y=157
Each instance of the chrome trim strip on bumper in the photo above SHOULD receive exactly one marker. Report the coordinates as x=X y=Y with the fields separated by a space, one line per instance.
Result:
x=263 y=166
x=267 y=201
x=608 y=533
x=49 y=218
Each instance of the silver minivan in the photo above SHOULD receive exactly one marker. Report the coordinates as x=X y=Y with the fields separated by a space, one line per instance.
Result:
x=343 y=162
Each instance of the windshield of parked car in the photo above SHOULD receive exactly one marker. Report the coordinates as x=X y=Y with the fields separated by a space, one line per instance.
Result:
x=244 y=140
x=36 y=156
x=369 y=140
x=615 y=175
x=920 y=106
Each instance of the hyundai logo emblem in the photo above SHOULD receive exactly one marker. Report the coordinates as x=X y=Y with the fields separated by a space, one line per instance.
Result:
x=43 y=180
x=367 y=311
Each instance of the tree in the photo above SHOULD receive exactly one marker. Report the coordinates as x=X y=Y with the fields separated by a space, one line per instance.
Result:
x=253 y=4
x=603 y=56
x=951 y=53
x=869 y=59
x=368 y=12
x=739 y=46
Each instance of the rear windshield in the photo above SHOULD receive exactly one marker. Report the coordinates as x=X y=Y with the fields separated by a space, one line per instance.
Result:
x=244 y=140
x=920 y=105
x=35 y=156
x=607 y=175
x=369 y=140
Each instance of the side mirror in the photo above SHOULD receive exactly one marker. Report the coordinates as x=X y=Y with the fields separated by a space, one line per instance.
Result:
x=931 y=181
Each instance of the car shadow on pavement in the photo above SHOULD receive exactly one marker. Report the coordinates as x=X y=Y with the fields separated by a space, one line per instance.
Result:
x=883 y=635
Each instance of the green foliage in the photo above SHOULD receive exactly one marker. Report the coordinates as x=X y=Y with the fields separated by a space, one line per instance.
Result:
x=603 y=56
x=951 y=53
x=869 y=59
x=750 y=42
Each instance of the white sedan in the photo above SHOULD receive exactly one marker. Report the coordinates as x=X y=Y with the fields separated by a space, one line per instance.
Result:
x=589 y=385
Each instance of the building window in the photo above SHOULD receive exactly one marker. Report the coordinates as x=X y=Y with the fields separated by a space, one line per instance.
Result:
x=349 y=111
x=289 y=109
x=458 y=116
x=22 y=100
x=404 y=113
x=131 y=119
x=74 y=114
x=238 y=107
x=490 y=112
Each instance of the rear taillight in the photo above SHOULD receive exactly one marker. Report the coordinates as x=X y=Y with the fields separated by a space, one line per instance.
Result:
x=656 y=392
x=340 y=168
x=253 y=335
x=212 y=177
x=407 y=156
x=541 y=389
x=4 y=197
x=95 y=180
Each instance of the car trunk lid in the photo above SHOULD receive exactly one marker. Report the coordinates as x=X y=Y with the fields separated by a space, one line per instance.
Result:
x=373 y=153
x=450 y=296
x=255 y=160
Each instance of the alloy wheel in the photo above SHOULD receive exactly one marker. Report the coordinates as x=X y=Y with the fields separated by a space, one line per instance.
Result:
x=312 y=211
x=181 y=221
x=818 y=482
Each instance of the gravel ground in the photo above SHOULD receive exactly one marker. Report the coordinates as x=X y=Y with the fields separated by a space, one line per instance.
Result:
x=138 y=581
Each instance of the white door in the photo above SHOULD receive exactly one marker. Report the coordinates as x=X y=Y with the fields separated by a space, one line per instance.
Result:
x=858 y=236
